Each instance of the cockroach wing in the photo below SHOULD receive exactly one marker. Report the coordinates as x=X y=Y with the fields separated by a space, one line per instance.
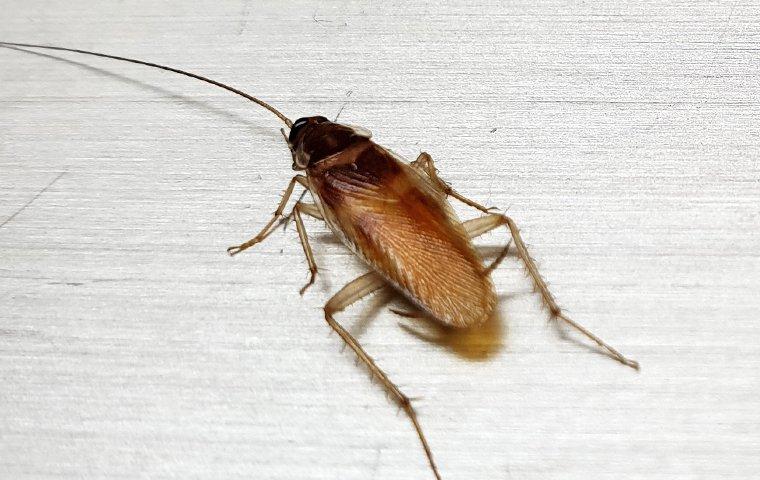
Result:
x=392 y=216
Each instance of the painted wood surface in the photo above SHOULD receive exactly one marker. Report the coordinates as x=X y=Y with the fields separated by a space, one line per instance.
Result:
x=623 y=138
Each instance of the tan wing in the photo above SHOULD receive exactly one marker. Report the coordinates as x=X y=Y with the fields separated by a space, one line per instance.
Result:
x=391 y=216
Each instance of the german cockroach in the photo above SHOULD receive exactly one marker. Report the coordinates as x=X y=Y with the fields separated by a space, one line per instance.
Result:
x=395 y=216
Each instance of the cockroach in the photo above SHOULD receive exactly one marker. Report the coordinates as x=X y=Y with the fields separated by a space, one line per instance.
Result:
x=395 y=216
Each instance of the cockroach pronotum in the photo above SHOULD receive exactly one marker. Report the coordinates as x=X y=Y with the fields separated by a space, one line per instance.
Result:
x=396 y=217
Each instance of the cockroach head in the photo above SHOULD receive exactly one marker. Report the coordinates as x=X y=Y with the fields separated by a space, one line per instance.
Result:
x=313 y=139
x=301 y=125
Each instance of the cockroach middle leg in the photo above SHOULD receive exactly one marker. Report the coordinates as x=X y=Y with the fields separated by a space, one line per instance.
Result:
x=425 y=163
x=354 y=291
x=481 y=225
x=497 y=261
x=270 y=226
x=405 y=314
x=310 y=209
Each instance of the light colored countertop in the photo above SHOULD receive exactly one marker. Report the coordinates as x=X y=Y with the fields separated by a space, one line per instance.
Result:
x=624 y=140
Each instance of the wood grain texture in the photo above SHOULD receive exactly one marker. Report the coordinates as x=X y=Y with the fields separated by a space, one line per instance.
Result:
x=624 y=139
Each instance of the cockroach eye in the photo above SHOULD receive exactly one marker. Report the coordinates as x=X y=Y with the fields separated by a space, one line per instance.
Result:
x=297 y=126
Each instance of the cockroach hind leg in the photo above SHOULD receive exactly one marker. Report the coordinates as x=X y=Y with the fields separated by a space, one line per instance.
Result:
x=353 y=292
x=425 y=163
x=481 y=225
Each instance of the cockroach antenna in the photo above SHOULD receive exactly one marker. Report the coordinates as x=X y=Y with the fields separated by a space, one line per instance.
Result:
x=234 y=90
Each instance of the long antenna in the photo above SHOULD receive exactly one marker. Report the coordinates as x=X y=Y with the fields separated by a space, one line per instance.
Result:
x=255 y=100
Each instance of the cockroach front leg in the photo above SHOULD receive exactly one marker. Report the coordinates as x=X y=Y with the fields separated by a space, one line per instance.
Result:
x=270 y=227
x=479 y=226
x=313 y=211
x=354 y=291
x=425 y=163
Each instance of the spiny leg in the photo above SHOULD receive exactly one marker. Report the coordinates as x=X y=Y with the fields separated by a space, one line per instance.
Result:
x=425 y=163
x=354 y=291
x=309 y=210
x=478 y=226
x=270 y=227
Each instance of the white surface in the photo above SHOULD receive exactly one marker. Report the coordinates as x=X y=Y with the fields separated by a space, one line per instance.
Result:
x=626 y=145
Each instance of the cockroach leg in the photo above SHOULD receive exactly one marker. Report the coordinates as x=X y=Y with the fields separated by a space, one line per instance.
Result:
x=354 y=291
x=502 y=255
x=290 y=215
x=311 y=210
x=481 y=225
x=477 y=227
x=299 y=207
x=402 y=313
x=425 y=163
x=270 y=227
